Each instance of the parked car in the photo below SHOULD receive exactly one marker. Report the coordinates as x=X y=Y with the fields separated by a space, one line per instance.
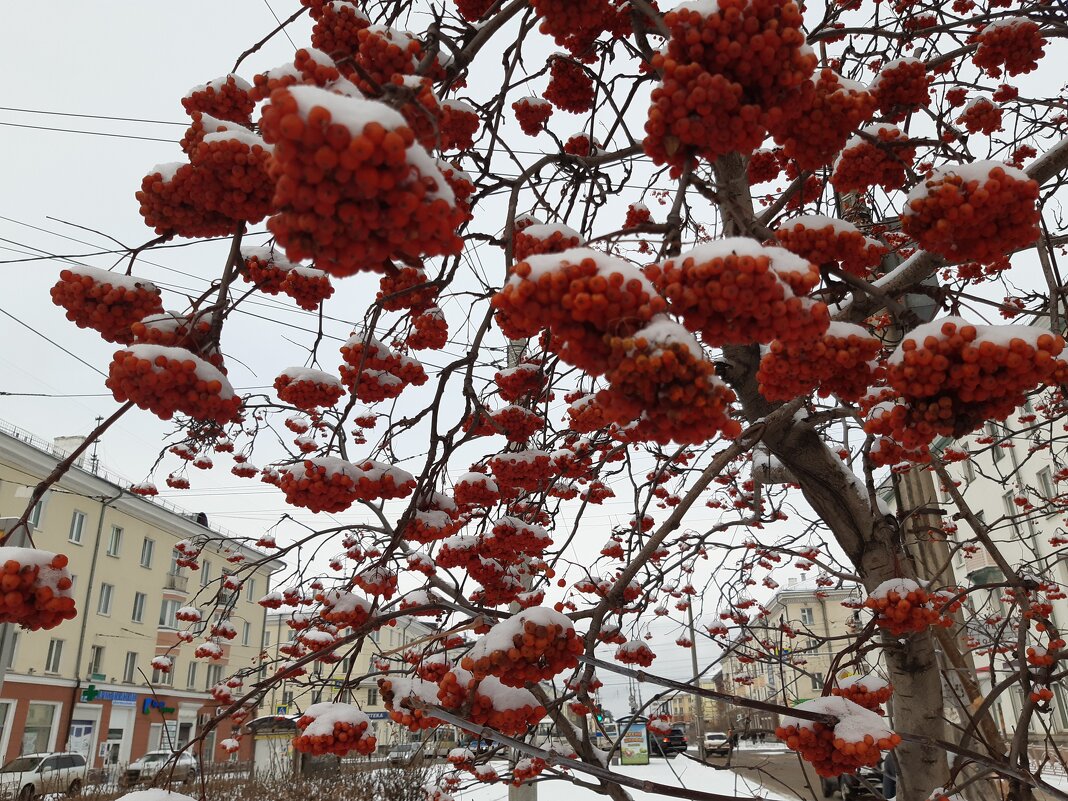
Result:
x=405 y=754
x=31 y=775
x=717 y=742
x=147 y=768
x=851 y=787
x=668 y=745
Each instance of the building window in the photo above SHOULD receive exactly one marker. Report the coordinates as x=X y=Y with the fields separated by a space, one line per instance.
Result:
x=969 y=470
x=14 y=635
x=77 y=527
x=36 y=512
x=250 y=591
x=115 y=541
x=55 y=656
x=205 y=574
x=817 y=681
x=191 y=676
x=37 y=733
x=147 y=547
x=1045 y=483
x=167 y=611
x=997 y=453
x=287 y=697
x=175 y=568
x=138 y=615
x=1009 y=502
x=372 y=696
x=267 y=639
x=246 y=632
x=215 y=676
x=129 y=669
x=96 y=660
x=808 y=617
x=103 y=605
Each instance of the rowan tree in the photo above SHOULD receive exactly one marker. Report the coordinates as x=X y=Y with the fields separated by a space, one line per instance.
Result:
x=750 y=256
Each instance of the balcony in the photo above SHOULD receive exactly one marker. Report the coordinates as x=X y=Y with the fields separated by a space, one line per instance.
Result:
x=174 y=581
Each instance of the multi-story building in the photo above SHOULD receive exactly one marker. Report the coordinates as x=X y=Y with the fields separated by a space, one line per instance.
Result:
x=794 y=669
x=1006 y=483
x=292 y=697
x=88 y=685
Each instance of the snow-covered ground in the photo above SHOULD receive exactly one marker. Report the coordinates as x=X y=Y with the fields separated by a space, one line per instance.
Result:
x=678 y=772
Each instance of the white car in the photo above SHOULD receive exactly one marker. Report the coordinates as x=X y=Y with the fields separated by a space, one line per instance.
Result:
x=30 y=775
x=154 y=763
x=717 y=742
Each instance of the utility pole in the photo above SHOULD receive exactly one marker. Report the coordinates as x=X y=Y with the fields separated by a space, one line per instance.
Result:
x=698 y=701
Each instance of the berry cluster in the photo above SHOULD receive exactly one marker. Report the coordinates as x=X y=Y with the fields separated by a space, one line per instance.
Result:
x=952 y=377
x=310 y=66
x=519 y=382
x=337 y=30
x=973 y=212
x=35 y=588
x=430 y=331
x=729 y=70
x=825 y=240
x=579 y=296
x=475 y=489
x=1012 y=43
x=828 y=752
x=570 y=86
x=901 y=88
x=406 y=288
x=575 y=26
x=509 y=710
x=334 y=728
x=532 y=113
x=528 y=470
x=841 y=362
x=473 y=10
x=399 y=208
x=661 y=376
x=635 y=652
x=870 y=692
x=534 y=645
x=638 y=214
x=981 y=115
x=877 y=156
x=374 y=372
x=226 y=98
x=109 y=303
x=535 y=240
x=168 y=380
x=173 y=330
x=458 y=126
x=815 y=125
x=735 y=291
x=902 y=607
x=308 y=389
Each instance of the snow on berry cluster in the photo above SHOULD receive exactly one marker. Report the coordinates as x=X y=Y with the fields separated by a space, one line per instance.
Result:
x=578 y=296
x=343 y=608
x=1013 y=43
x=307 y=388
x=430 y=331
x=334 y=728
x=532 y=113
x=374 y=372
x=635 y=652
x=273 y=273
x=310 y=66
x=815 y=125
x=175 y=330
x=981 y=115
x=826 y=240
x=109 y=303
x=729 y=70
x=737 y=291
x=951 y=377
x=170 y=380
x=877 y=156
x=570 y=86
x=902 y=606
x=973 y=212
x=661 y=378
x=870 y=691
x=330 y=484
x=401 y=208
x=535 y=240
x=857 y=739
x=522 y=381
x=901 y=88
x=841 y=362
x=531 y=646
x=226 y=98
x=35 y=588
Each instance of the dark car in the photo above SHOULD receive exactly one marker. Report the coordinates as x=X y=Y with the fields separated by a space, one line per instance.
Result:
x=668 y=745
x=853 y=786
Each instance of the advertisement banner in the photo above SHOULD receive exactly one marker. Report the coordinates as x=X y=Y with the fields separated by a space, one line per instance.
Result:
x=634 y=750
